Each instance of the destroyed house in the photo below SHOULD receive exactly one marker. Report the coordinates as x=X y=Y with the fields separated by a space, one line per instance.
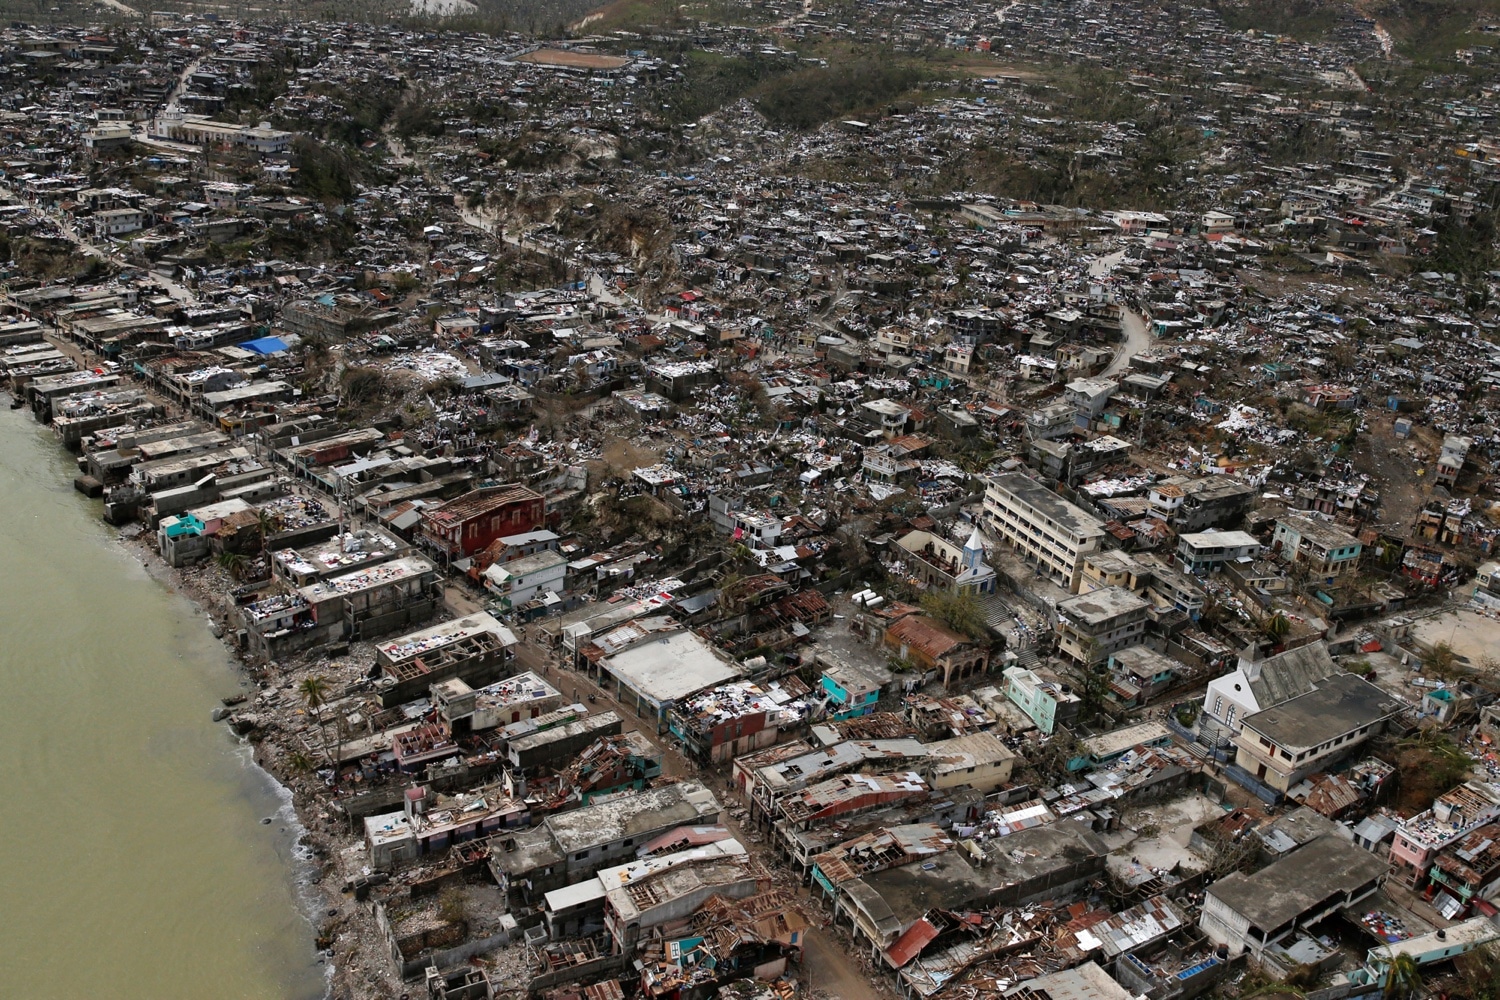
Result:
x=366 y=603
x=1453 y=815
x=577 y=910
x=1468 y=870
x=723 y=722
x=876 y=851
x=727 y=939
x=573 y=845
x=523 y=696
x=848 y=794
x=332 y=556
x=609 y=765
x=653 y=898
x=928 y=644
x=549 y=739
x=1049 y=862
x=768 y=784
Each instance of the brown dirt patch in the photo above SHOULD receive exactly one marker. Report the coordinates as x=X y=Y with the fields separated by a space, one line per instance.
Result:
x=574 y=60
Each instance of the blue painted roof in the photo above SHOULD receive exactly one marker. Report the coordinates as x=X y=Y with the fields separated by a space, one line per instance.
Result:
x=265 y=345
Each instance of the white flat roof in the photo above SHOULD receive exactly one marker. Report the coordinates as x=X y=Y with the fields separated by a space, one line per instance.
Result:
x=670 y=667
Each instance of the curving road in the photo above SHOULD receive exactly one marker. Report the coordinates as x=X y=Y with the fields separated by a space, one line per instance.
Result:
x=1137 y=339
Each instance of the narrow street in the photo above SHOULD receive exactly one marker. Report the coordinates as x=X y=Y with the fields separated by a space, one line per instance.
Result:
x=1136 y=339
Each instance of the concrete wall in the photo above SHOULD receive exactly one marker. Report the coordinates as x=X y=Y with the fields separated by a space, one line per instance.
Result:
x=598 y=967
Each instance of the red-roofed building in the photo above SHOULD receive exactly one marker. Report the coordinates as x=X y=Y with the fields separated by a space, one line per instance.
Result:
x=930 y=645
x=469 y=523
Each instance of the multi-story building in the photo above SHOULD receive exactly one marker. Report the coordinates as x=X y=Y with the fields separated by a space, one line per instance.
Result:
x=1206 y=551
x=1191 y=505
x=1045 y=702
x=469 y=523
x=1044 y=529
x=732 y=719
x=1092 y=626
x=1468 y=869
x=1282 y=745
x=1454 y=815
x=1327 y=551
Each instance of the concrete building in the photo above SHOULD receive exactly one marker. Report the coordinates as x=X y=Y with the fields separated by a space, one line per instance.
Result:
x=503 y=703
x=1454 y=815
x=1043 y=528
x=1043 y=862
x=577 y=910
x=1092 y=626
x=550 y=740
x=470 y=523
x=1139 y=674
x=525 y=579
x=1206 y=551
x=928 y=644
x=1257 y=684
x=938 y=564
x=1196 y=504
x=365 y=604
x=732 y=719
x=1327 y=551
x=652 y=675
x=765 y=782
x=1045 y=703
x=572 y=846
x=474 y=649
x=1251 y=912
x=978 y=760
x=1295 y=738
x=1082 y=982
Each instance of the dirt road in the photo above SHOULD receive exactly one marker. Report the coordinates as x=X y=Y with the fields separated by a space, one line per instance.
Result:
x=1137 y=339
x=834 y=971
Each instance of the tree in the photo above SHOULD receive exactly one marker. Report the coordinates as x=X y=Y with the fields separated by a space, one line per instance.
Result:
x=960 y=612
x=1277 y=626
x=233 y=563
x=1403 y=978
x=1440 y=661
x=1093 y=690
x=314 y=692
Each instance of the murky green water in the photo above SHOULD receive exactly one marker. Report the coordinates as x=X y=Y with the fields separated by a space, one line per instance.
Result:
x=133 y=860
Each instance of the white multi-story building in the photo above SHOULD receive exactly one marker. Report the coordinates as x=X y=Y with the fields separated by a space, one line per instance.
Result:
x=1046 y=530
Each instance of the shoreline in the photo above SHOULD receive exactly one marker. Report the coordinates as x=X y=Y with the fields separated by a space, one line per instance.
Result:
x=311 y=844
x=306 y=851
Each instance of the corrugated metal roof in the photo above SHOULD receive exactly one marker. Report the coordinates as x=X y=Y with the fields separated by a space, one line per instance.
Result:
x=909 y=945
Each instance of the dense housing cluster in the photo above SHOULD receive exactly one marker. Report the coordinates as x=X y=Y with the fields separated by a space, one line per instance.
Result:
x=763 y=497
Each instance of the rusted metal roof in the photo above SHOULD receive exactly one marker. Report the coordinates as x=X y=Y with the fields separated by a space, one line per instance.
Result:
x=910 y=944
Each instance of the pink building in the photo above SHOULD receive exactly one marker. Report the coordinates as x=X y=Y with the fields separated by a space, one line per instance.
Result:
x=1453 y=815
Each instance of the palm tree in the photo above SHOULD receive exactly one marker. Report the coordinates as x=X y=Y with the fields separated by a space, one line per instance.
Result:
x=1277 y=627
x=232 y=563
x=314 y=691
x=1403 y=979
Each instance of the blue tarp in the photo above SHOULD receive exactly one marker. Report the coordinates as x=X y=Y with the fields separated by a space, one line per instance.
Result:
x=265 y=345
